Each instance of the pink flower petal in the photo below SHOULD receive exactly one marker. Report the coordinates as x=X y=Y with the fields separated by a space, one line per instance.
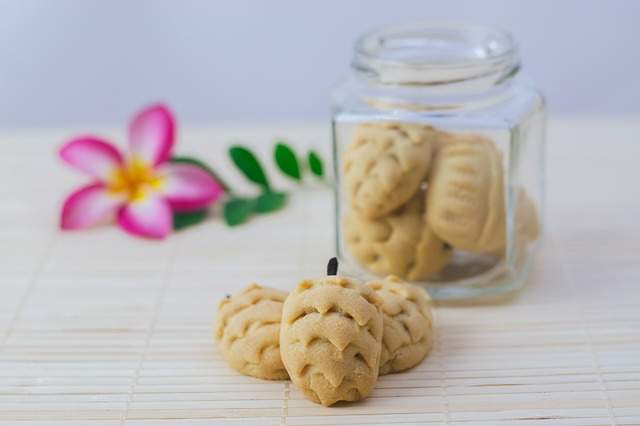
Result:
x=188 y=187
x=93 y=156
x=151 y=135
x=149 y=217
x=89 y=206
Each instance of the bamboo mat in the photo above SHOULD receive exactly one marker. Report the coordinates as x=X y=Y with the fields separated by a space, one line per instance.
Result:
x=97 y=328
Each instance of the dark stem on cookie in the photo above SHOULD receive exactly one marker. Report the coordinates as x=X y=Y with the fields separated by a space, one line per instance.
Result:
x=332 y=266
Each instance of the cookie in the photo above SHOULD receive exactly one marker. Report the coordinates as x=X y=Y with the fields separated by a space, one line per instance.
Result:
x=248 y=332
x=466 y=203
x=400 y=244
x=385 y=164
x=331 y=338
x=408 y=324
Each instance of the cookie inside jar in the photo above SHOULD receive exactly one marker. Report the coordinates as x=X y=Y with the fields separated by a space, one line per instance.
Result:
x=429 y=204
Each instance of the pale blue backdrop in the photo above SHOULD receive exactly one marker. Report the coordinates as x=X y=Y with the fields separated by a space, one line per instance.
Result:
x=64 y=62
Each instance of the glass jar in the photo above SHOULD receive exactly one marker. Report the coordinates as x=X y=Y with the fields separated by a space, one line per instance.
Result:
x=439 y=160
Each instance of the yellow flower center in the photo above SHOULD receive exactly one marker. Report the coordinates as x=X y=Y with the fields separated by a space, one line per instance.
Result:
x=135 y=179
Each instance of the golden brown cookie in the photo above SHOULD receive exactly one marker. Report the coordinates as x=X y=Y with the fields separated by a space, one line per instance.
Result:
x=385 y=164
x=466 y=203
x=408 y=324
x=400 y=244
x=331 y=339
x=248 y=332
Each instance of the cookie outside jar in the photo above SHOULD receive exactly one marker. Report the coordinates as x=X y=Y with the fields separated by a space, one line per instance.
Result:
x=439 y=116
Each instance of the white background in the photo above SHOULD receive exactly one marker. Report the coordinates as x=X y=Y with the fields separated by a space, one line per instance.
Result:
x=67 y=62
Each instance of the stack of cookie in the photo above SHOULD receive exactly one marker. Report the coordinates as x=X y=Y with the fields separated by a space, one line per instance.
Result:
x=332 y=336
x=416 y=193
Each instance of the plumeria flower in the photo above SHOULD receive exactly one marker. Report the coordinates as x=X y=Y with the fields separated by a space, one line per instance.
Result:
x=141 y=189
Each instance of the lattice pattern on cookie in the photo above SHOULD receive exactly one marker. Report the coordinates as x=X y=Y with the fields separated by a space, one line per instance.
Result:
x=331 y=339
x=248 y=332
x=466 y=203
x=399 y=244
x=408 y=324
x=385 y=164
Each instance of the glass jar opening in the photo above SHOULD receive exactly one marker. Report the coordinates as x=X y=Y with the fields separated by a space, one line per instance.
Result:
x=428 y=54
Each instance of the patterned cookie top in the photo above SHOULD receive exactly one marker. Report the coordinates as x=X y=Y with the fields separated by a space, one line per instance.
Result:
x=400 y=243
x=408 y=333
x=465 y=202
x=331 y=339
x=248 y=331
x=385 y=164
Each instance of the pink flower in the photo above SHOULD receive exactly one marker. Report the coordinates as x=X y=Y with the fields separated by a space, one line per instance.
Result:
x=142 y=189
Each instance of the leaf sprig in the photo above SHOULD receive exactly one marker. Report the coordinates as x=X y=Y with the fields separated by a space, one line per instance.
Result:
x=239 y=209
x=288 y=163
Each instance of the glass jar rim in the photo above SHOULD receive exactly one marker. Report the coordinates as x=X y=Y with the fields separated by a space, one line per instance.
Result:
x=435 y=53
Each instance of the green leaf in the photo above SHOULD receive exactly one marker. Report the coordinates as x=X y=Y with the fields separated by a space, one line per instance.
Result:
x=315 y=164
x=187 y=219
x=238 y=210
x=270 y=202
x=247 y=162
x=287 y=161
